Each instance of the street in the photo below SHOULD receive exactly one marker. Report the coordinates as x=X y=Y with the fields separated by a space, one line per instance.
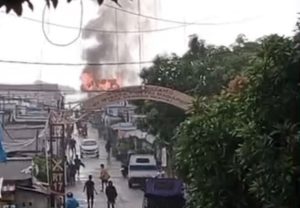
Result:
x=127 y=198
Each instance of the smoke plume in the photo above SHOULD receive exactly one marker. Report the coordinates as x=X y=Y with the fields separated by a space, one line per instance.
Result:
x=112 y=47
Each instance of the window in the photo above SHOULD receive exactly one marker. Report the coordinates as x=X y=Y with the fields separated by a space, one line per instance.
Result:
x=89 y=143
x=142 y=160
x=142 y=167
x=164 y=185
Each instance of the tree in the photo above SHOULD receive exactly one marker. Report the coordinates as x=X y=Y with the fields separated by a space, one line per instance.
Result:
x=241 y=148
x=17 y=5
x=202 y=71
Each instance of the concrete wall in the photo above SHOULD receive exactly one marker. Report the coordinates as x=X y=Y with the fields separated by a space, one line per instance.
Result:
x=37 y=200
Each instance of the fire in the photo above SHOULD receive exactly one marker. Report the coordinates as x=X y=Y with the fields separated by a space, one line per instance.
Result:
x=89 y=83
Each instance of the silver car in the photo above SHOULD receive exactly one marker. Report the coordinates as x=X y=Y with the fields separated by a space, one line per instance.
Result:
x=89 y=148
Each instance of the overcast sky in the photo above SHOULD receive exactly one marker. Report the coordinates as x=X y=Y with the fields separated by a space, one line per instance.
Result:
x=22 y=39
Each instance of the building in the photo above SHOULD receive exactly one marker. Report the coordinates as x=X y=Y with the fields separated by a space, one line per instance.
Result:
x=19 y=188
x=20 y=139
x=33 y=95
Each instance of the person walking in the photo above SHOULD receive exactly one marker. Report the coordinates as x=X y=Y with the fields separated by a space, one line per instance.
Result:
x=72 y=169
x=71 y=201
x=72 y=146
x=104 y=176
x=89 y=187
x=111 y=194
x=78 y=163
x=107 y=148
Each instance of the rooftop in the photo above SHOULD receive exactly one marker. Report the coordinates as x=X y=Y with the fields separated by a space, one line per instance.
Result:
x=22 y=138
x=14 y=169
x=30 y=87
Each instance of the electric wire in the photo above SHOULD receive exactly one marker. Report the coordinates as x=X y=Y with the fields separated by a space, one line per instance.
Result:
x=74 y=64
x=182 y=25
x=70 y=42
x=100 y=30
x=170 y=20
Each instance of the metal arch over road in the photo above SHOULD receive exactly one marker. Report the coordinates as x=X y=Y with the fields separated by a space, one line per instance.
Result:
x=144 y=92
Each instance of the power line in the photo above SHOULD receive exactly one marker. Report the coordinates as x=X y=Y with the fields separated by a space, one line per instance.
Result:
x=182 y=24
x=175 y=21
x=75 y=64
x=100 y=30
x=70 y=42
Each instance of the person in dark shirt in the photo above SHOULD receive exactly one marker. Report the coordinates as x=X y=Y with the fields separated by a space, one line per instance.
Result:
x=72 y=169
x=89 y=187
x=111 y=194
x=107 y=148
x=72 y=146
x=78 y=163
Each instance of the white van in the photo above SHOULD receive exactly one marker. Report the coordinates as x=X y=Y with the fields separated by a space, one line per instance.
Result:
x=140 y=168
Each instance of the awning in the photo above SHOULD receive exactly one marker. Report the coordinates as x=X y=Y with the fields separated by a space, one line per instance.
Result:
x=135 y=133
x=123 y=126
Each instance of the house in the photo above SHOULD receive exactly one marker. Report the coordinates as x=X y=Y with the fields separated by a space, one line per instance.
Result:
x=23 y=139
x=19 y=188
x=40 y=94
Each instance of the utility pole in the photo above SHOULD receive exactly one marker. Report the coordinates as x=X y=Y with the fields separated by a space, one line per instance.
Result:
x=57 y=165
x=36 y=142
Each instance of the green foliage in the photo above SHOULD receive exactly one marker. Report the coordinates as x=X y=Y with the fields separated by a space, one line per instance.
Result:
x=17 y=5
x=42 y=169
x=202 y=71
x=240 y=149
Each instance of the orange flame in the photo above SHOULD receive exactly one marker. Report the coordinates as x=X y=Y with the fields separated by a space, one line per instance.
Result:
x=89 y=83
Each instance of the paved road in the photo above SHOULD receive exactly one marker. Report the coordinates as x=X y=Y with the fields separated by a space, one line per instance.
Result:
x=127 y=198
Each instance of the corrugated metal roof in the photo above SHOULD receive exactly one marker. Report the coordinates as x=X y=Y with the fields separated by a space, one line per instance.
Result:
x=13 y=168
x=21 y=133
x=25 y=87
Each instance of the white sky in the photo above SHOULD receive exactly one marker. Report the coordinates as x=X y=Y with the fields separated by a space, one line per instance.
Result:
x=23 y=40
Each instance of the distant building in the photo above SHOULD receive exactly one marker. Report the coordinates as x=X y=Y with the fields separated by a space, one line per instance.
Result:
x=35 y=95
x=122 y=110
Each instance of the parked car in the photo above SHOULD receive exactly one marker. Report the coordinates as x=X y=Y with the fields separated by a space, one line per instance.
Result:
x=90 y=148
x=141 y=167
x=164 y=193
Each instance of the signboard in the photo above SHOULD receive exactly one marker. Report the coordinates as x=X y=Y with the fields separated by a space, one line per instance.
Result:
x=147 y=92
x=57 y=131
x=57 y=168
x=58 y=179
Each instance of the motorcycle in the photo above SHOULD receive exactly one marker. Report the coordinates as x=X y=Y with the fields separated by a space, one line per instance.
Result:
x=124 y=171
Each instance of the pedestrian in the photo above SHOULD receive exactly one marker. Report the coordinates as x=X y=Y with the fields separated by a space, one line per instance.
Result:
x=107 y=148
x=78 y=163
x=73 y=171
x=111 y=194
x=104 y=176
x=71 y=201
x=72 y=146
x=67 y=170
x=89 y=187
